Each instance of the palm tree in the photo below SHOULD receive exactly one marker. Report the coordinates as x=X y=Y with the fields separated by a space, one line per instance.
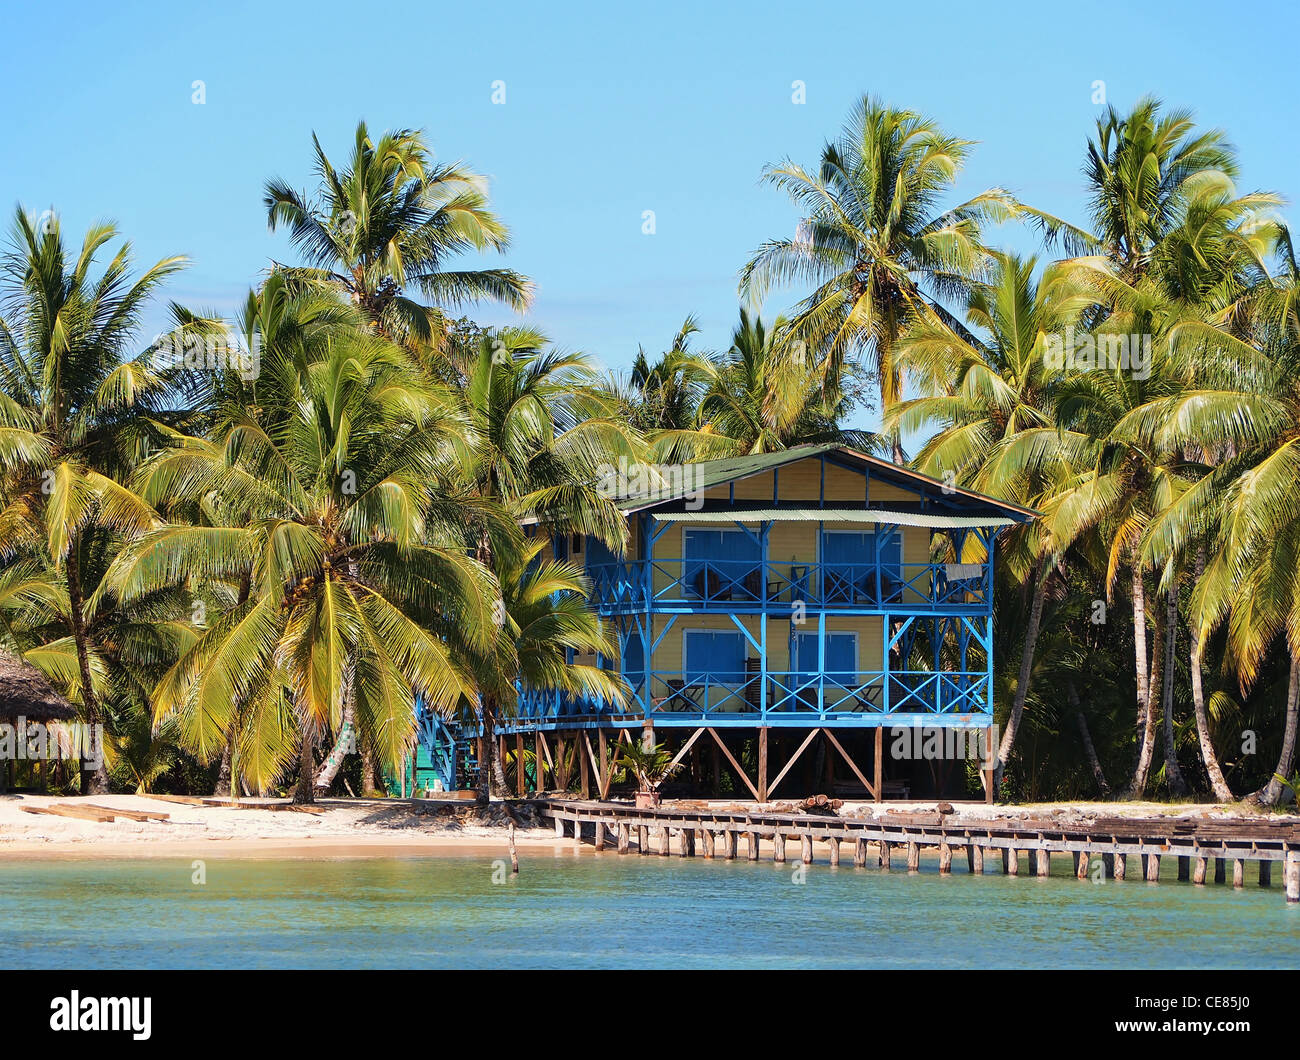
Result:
x=390 y=222
x=759 y=398
x=875 y=239
x=544 y=618
x=993 y=400
x=544 y=426
x=361 y=588
x=77 y=413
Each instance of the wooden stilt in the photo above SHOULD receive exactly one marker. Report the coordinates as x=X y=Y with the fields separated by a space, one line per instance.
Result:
x=880 y=764
x=805 y=849
x=559 y=828
x=859 y=852
x=1153 y=868
x=1013 y=862
x=751 y=845
x=1238 y=872
x=970 y=858
x=521 y=774
x=1121 y=864
x=778 y=847
x=1044 y=866
x=977 y=859
x=835 y=850
x=1220 y=870
x=1291 y=875
x=1081 y=870
x=707 y=835
x=1184 y=867
x=600 y=835
x=665 y=841
x=1265 y=873
x=584 y=774
x=642 y=839
x=913 y=857
x=603 y=780
x=762 y=764
x=1199 y=867
x=1108 y=866
x=729 y=845
x=624 y=837
x=885 y=849
x=945 y=858
x=686 y=843
x=1006 y=861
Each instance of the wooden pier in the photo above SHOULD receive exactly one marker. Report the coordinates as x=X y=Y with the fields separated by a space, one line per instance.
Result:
x=1101 y=845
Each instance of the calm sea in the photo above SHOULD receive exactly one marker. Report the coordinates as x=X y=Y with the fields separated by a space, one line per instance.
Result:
x=569 y=909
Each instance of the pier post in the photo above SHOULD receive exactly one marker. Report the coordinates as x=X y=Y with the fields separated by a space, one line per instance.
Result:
x=599 y=841
x=778 y=847
x=1220 y=870
x=1184 y=867
x=835 y=850
x=859 y=852
x=1121 y=866
x=642 y=839
x=1153 y=868
x=1011 y=861
x=624 y=837
x=1198 y=871
x=945 y=858
x=1044 y=861
x=707 y=835
x=885 y=849
x=729 y=845
x=913 y=857
x=686 y=843
x=977 y=859
x=805 y=848
x=1291 y=875
x=970 y=858
x=559 y=827
x=1081 y=870
x=665 y=841
x=1108 y=866
x=1238 y=872
x=1265 y=873
x=751 y=842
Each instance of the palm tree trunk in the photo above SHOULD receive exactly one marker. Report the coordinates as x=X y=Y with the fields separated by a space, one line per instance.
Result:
x=1173 y=773
x=1213 y=770
x=369 y=773
x=306 y=768
x=224 y=787
x=1026 y=671
x=1146 y=681
x=346 y=743
x=94 y=775
x=1086 y=737
x=1272 y=791
x=491 y=775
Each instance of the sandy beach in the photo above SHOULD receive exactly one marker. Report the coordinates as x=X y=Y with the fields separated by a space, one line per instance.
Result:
x=387 y=827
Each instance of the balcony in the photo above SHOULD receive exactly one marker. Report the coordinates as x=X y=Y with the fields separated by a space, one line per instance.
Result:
x=866 y=698
x=746 y=586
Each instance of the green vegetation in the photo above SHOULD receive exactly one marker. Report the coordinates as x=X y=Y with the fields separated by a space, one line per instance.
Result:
x=245 y=563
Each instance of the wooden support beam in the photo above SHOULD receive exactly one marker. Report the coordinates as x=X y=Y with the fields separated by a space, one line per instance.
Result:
x=805 y=848
x=1199 y=866
x=1044 y=862
x=624 y=837
x=945 y=858
x=834 y=844
x=1153 y=868
x=913 y=857
x=681 y=751
x=778 y=847
x=583 y=772
x=812 y=735
x=706 y=834
x=642 y=839
x=559 y=827
x=873 y=788
x=606 y=769
x=976 y=859
x=880 y=763
x=1238 y=873
x=753 y=789
x=665 y=839
x=859 y=852
x=1012 y=861
x=1291 y=875
x=885 y=849
x=1081 y=870
x=1121 y=865
x=521 y=774
x=751 y=845
x=686 y=842
x=1265 y=873
x=729 y=845
x=600 y=835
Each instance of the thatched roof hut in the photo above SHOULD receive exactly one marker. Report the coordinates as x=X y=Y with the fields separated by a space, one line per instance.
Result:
x=25 y=692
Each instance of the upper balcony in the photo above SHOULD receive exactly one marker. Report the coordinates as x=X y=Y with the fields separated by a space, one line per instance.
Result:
x=747 y=586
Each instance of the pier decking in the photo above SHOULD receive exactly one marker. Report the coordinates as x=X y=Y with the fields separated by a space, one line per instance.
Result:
x=1111 y=839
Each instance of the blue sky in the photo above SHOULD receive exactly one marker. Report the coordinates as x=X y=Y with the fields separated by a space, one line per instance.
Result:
x=610 y=110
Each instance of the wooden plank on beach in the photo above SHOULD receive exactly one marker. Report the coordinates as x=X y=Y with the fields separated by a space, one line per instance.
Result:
x=131 y=815
x=185 y=800
x=83 y=813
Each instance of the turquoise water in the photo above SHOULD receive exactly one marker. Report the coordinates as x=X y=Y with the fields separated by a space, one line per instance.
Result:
x=581 y=909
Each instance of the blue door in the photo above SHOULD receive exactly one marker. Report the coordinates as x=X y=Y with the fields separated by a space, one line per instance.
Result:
x=841 y=664
x=849 y=562
x=714 y=655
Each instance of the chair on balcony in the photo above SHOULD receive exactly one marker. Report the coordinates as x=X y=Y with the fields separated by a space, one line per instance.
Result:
x=682 y=697
x=708 y=584
x=866 y=700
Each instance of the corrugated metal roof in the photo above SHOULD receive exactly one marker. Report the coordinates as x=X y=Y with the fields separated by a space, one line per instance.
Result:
x=835 y=515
